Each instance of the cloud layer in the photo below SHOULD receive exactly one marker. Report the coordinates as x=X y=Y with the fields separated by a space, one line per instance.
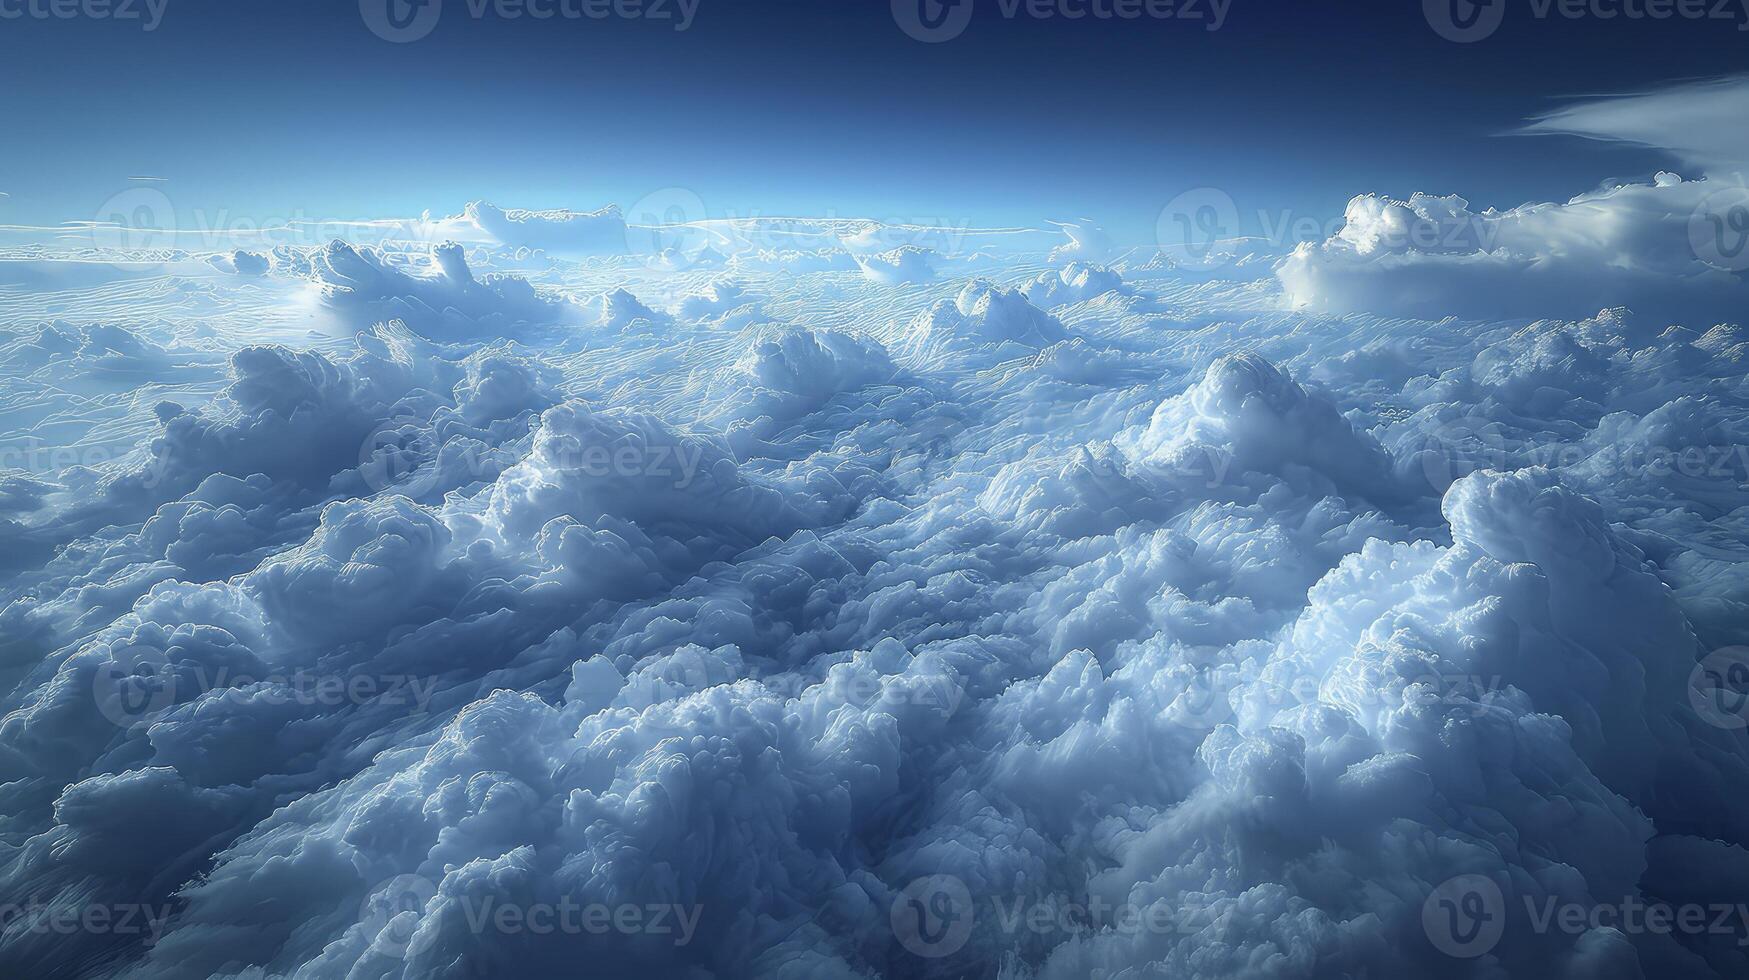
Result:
x=822 y=618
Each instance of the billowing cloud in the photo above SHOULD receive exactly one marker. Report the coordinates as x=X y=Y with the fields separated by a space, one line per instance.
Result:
x=1667 y=247
x=825 y=618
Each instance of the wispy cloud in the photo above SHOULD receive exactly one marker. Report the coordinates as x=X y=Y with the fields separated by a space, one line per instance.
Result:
x=1700 y=122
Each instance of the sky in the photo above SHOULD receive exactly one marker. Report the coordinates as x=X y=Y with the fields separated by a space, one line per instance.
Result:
x=1377 y=607
x=254 y=111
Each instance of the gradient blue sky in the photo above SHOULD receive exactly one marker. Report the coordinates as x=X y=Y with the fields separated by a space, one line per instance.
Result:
x=255 y=110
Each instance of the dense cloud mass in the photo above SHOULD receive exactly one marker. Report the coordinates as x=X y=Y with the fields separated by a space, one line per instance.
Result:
x=1665 y=245
x=1648 y=246
x=830 y=607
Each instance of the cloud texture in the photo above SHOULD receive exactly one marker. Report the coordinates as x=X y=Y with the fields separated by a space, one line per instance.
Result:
x=863 y=618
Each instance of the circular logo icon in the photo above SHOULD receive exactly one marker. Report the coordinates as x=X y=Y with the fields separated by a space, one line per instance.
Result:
x=1718 y=230
x=932 y=21
x=1453 y=450
x=391 y=913
x=933 y=916
x=662 y=229
x=1465 y=917
x=400 y=454
x=1203 y=704
x=1719 y=688
x=1196 y=229
x=932 y=441
x=139 y=219
x=133 y=686
x=1464 y=21
x=400 y=21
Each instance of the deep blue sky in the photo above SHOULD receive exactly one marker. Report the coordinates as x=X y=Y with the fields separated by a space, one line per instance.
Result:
x=256 y=110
